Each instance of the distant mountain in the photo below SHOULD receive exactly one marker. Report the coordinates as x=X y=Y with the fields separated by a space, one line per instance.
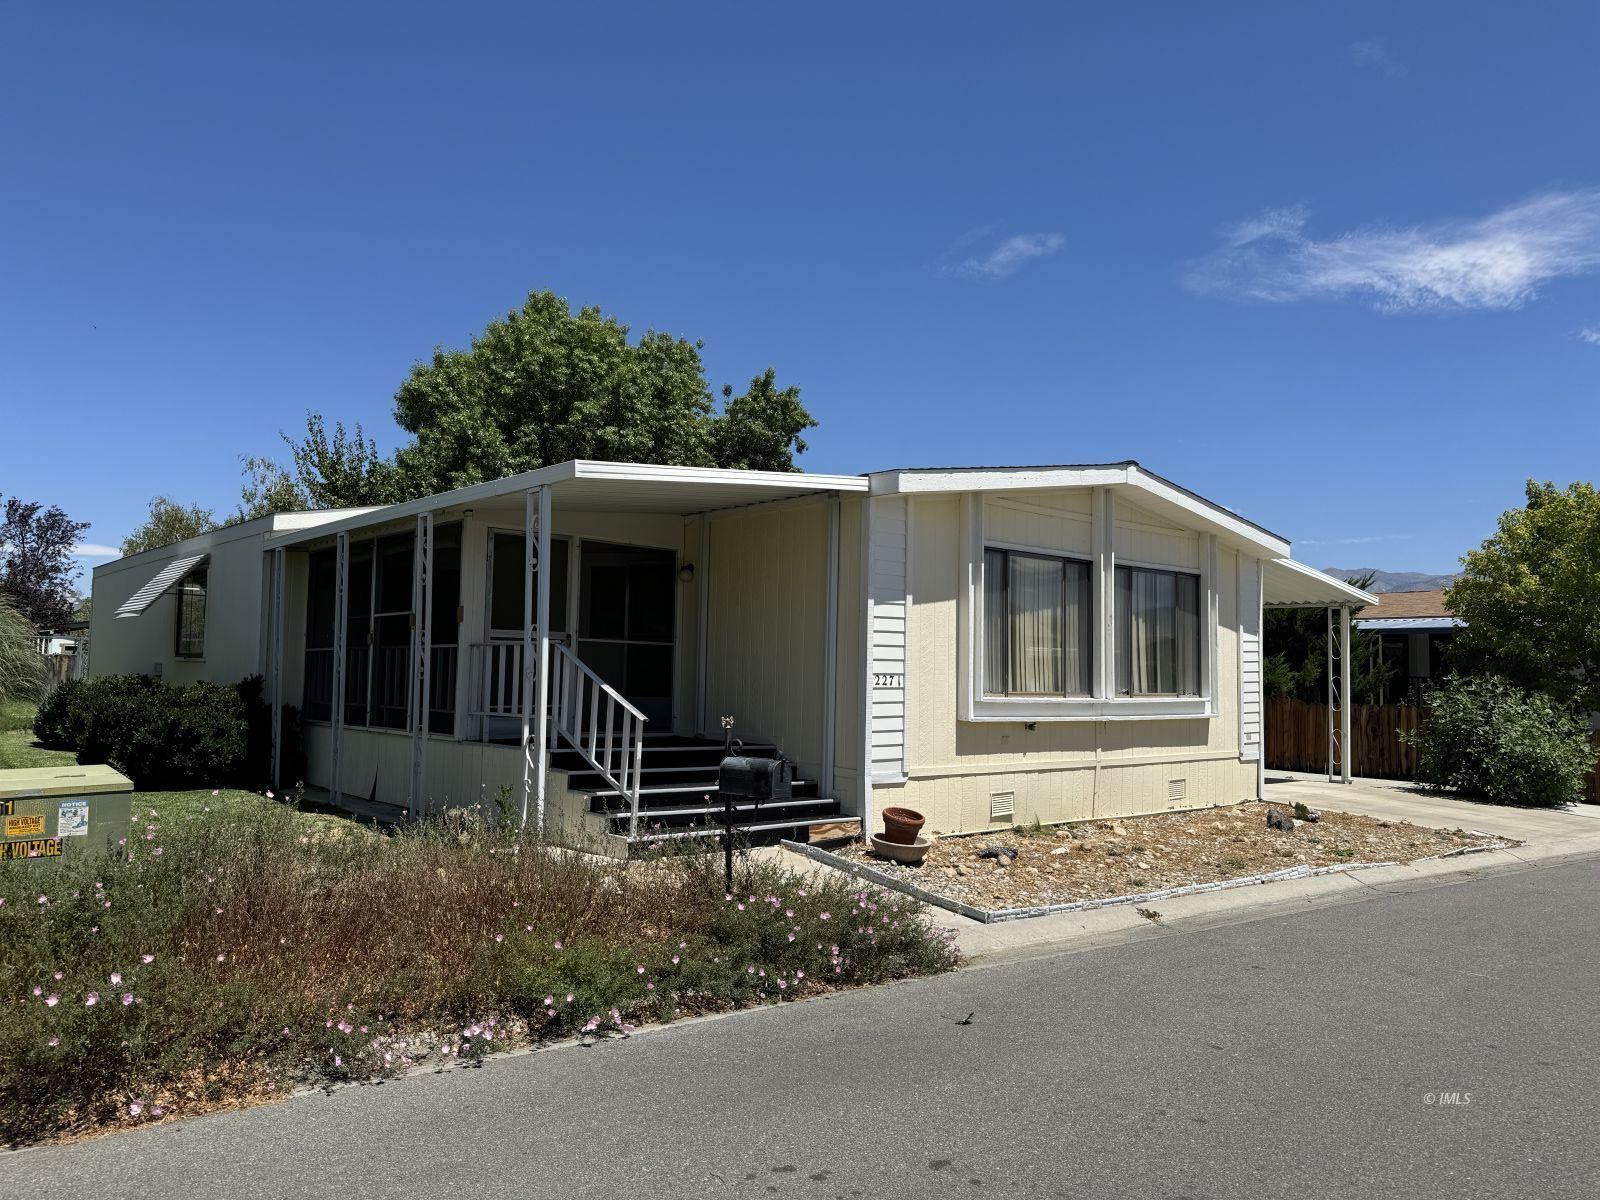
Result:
x=1393 y=581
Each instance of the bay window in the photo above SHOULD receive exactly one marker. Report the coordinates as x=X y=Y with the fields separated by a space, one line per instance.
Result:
x=1036 y=624
x=1157 y=650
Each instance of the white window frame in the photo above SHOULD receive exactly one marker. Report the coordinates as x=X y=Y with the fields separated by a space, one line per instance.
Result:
x=979 y=647
x=1200 y=599
x=974 y=705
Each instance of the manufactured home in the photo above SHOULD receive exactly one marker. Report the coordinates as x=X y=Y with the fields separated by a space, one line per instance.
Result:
x=989 y=646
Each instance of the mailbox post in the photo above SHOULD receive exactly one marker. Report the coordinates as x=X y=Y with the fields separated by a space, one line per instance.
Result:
x=752 y=781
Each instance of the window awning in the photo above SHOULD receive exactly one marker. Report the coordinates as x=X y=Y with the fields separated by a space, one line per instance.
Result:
x=159 y=583
x=1291 y=584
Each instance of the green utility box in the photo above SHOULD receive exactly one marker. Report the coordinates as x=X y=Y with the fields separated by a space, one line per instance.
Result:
x=50 y=813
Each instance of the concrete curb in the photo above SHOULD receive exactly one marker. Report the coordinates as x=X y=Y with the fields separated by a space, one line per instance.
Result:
x=989 y=916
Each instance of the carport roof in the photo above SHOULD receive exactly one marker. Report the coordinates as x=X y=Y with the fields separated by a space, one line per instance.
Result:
x=610 y=487
x=1291 y=584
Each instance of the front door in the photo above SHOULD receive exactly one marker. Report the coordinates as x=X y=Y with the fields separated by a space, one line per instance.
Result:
x=626 y=610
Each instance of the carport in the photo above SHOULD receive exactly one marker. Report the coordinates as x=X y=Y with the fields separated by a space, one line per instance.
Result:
x=1289 y=584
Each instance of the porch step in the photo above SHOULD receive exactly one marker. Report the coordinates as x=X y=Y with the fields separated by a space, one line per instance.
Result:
x=762 y=831
x=652 y=798
x=679 y=798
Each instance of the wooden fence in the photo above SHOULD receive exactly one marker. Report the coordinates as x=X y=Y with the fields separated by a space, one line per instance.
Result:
x=1297 y=740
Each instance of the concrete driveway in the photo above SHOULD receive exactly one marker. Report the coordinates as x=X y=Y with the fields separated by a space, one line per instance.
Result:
x=1573 y=829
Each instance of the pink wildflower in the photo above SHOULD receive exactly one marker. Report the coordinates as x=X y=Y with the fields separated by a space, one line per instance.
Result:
x=91 y=999
x=135 y=1107
x=147 y=958
x=116 y=977
x=54 y=1041
x=127 y=999
x=52 y=1000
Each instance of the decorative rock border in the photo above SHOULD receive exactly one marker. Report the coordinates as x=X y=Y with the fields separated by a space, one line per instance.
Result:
x=991 y=915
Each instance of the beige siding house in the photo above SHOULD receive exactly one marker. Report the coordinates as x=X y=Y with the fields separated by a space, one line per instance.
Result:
x=987 y=646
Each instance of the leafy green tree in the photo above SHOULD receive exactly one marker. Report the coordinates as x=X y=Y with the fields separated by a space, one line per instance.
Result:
x=268 y=489
x=1296 y=645
x=343 y=469
x=167 y=523
x=1530 y=596
x=545 y=384
x=760 y=430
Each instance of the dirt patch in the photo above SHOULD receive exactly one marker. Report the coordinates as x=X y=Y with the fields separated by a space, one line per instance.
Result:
x=1062 y=864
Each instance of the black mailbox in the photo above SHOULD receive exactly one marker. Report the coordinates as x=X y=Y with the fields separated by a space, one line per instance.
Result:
x=756 y=779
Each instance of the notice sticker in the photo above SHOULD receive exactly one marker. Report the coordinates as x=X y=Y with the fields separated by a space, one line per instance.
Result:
x=72 y=818
x=27 y=825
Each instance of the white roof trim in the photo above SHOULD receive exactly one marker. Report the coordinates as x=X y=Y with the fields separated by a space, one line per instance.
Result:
x=1409 y=624
x=1127 y=474
x=778 y=481
x=1300 y=586
x=163 y=579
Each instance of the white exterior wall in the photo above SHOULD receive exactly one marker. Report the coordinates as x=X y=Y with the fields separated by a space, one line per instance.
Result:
x=235 y=594
x=766 y=626
x=1063 y=769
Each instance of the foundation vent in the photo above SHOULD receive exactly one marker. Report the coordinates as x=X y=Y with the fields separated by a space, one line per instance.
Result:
x=1177 y=791
x=1002 y=806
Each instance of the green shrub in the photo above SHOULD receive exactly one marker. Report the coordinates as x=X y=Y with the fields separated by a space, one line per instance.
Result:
x=166 y=737
x=1487 y=738
x=57 y=725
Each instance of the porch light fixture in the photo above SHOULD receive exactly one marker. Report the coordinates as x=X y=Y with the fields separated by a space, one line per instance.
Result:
x=686 y=573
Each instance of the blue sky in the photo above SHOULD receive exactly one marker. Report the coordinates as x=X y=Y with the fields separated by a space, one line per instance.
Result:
x=1333 y=266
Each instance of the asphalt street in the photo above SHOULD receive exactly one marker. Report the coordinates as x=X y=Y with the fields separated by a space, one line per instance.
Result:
x=1427 y=1040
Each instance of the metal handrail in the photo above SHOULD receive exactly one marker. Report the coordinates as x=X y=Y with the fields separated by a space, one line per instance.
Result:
x=575 y=694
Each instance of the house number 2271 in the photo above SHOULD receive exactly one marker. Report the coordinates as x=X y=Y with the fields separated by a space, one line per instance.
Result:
x=886 y=680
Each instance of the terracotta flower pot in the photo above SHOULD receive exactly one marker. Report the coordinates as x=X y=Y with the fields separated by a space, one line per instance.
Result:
x=902 y=825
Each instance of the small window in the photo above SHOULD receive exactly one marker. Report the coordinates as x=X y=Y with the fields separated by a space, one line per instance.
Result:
x=1035 y=625
x=1158 y=633
x=191 y=640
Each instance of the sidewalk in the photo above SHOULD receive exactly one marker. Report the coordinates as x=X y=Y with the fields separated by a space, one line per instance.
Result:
x=1547 y=834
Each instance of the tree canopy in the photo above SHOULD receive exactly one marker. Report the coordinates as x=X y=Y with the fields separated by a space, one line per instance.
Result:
x=541 y=385
x=1530 y=596
x=168 y=522
x=37 y=568
x=545 y=384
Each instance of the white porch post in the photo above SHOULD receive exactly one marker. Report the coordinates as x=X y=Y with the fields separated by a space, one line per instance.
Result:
x=1339 y=695
x=1347 y=750
x=275 y=666
x=830 y=652
x=421 y=656
x=535 y=651
x=341 y=620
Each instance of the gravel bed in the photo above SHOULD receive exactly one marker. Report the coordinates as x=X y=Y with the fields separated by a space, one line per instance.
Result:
x=1061 y=864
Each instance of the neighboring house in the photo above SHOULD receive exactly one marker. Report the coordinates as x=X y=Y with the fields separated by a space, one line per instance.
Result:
x=1416 y=631
x=989 y=646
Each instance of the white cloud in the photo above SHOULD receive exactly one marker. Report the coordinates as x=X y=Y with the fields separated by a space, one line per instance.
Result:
x=1372 y=54
x=1005 y=257
x=95 y=550
x=1494 y=262
x=1355 y=541
x=1591 y=335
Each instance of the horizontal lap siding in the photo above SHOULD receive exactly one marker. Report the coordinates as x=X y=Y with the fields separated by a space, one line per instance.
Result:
x=1057 y=771
x=886 y=589
x=1250 y=654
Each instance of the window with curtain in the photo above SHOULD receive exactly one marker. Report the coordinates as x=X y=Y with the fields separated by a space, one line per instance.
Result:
x=1158 y=633
x=1035 y=624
